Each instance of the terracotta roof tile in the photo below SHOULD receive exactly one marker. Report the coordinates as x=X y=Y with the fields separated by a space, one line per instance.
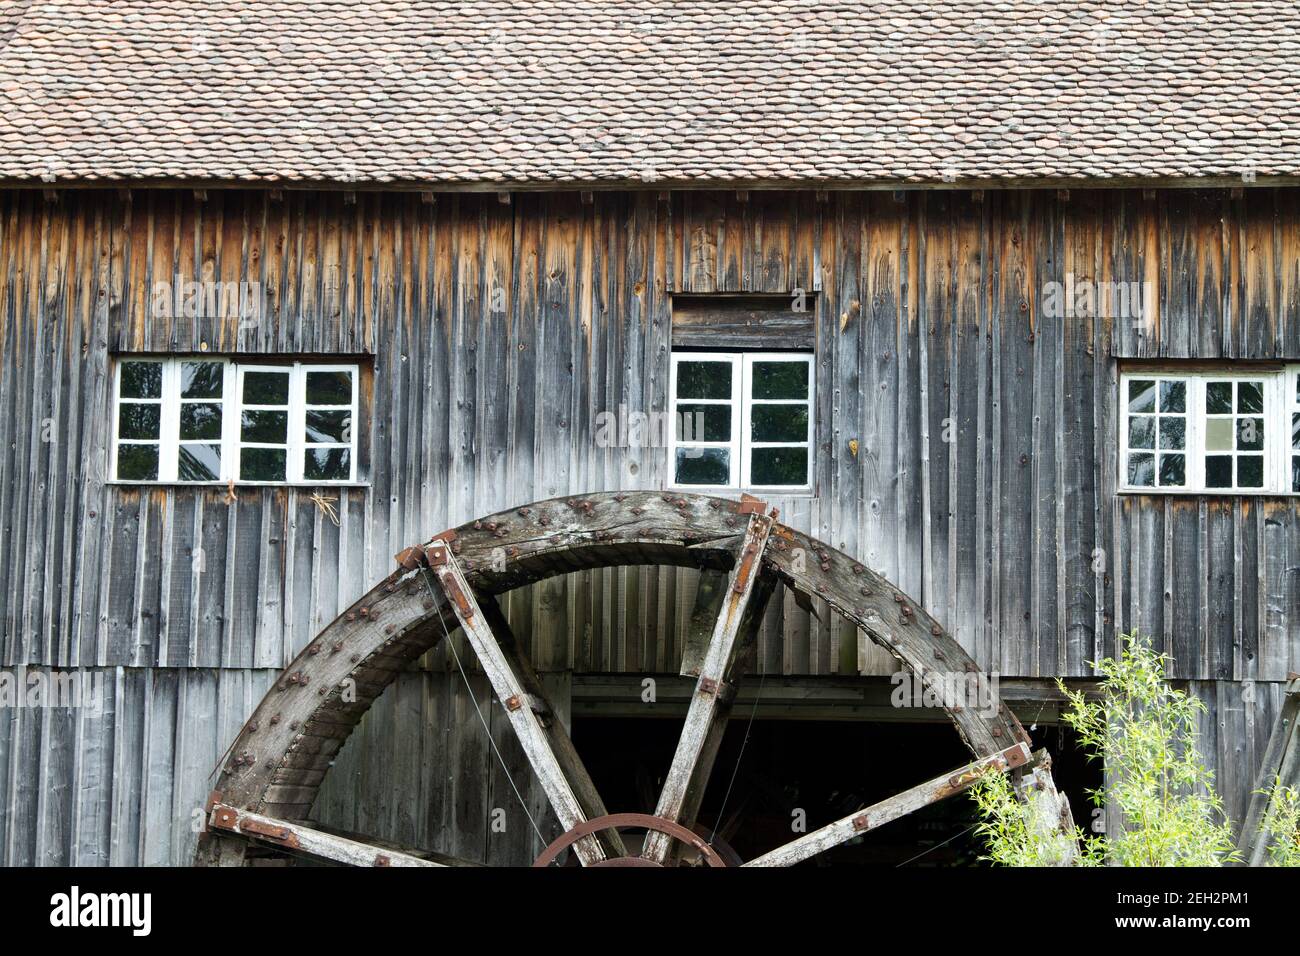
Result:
x=589 y=91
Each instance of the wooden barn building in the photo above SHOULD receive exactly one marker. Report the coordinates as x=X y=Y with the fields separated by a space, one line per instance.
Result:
x=997 y=306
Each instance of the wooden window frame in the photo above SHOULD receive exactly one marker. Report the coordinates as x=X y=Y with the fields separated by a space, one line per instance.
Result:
x=742 y=403
x=232 y=407
x=1276 y=414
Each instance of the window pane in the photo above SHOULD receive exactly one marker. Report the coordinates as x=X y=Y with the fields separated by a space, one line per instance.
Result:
x=1295 y=473
x=328 y=425
x=199 y=463
x=266 y=388
x=1218 y=471
x=1250 y=434
x=1142 y=431
x=327 y=464
x=704 y=380
x=1173 y=470
x=201 y=379
x=329 y=388
x=1173 y=431
x=780 y=380
x=1218 y=398
x=138 y=421
x=1141 y=395
x=779 y=466
x=1173 y=396
x=200 y=420
x=778 y=423
x=703 y=423
x=266 y=427
x=1142 y=470
x=1250 y=471
x=703 y=466
x=262 y=464
x=1250 y=396
x=137 y=462
x=141 y=379
x=1218 y=435
x=1295 y=430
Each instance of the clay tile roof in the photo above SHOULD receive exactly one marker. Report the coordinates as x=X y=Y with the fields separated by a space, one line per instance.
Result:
x=480 y=92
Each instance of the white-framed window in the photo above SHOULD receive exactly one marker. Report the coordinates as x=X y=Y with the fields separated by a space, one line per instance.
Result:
x=1292 y=388
x=210 y=420
x=1209 y=431
x=742 y=420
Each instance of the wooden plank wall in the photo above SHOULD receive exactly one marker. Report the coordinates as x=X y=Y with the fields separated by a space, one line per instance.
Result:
x=983 y=477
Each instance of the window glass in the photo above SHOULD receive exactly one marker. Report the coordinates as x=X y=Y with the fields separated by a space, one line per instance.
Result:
x=264 y=425
x=205 y=419
x=1211 y=432
x=327 y=425
x=139 y=420
x=742 y=420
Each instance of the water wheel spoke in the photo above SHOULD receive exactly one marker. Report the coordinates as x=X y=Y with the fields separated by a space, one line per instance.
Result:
x=706 y=718
x=899 y=805
x=542 y=737
x=292 y=836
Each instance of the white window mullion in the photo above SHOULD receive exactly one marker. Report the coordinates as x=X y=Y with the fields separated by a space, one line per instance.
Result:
x=1195 y=433
x=741 y=371
x=117 y=412
x=297 y=423
x=229 y=421
x=169 y=436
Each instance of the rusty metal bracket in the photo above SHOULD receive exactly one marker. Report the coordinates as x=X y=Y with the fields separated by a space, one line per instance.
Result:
x=745 y=566
x=227 y=818
x=724 y=690
x=749 y=505
x=439 y=555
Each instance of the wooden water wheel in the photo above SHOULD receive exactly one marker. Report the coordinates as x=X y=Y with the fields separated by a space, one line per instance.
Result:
x=273 y=769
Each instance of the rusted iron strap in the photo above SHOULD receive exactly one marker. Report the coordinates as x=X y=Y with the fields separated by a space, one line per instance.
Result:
x=725 y=691
x=227 y=818
x=451 y=587
x=749 y=557
x=749 y=505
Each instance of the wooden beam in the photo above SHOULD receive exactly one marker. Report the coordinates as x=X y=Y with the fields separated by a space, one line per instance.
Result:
x=886 y=811
x=706 y=719
x=546 y=745
x=1281 y=764
x=294 y=837
x=1049 y=813
x=709 y=595
x=557 y=735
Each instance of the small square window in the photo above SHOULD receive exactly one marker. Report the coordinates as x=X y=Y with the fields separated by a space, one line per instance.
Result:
x=742 y=420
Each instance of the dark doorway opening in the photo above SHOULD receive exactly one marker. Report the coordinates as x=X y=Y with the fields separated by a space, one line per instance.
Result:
x=773 y=774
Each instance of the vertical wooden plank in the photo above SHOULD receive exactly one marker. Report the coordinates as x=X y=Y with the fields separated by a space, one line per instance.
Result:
x=1013 y=433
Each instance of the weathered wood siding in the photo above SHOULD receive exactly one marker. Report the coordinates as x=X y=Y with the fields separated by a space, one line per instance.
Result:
x=499 y=330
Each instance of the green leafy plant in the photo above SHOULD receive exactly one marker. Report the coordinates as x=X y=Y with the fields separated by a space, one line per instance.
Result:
x=1282 y=825
x=1012 y=835
x=1145 y=732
